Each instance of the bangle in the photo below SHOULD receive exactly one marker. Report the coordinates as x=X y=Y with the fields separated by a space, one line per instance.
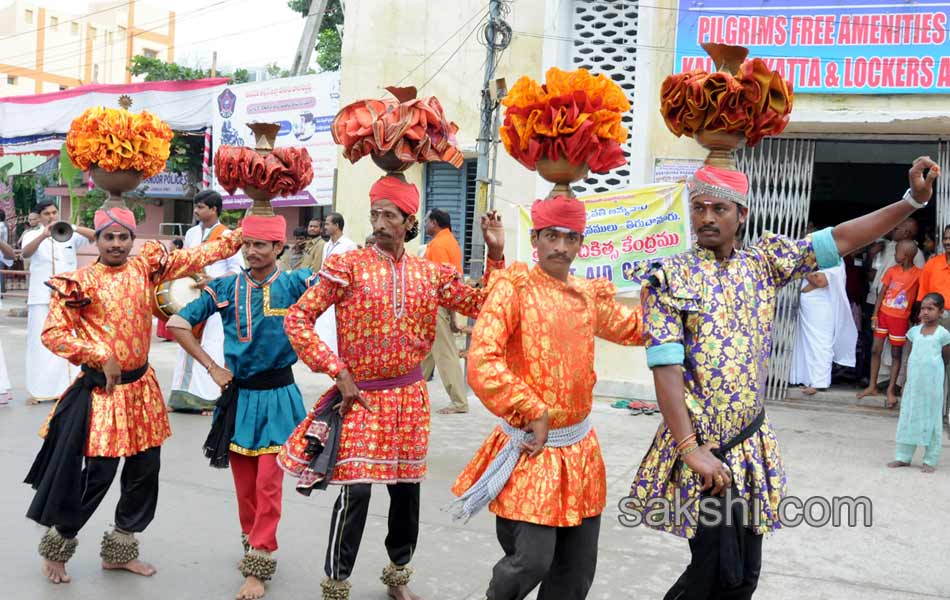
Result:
x=686 y=440
x=693 y=447
x=910 y=199
x=208 y=368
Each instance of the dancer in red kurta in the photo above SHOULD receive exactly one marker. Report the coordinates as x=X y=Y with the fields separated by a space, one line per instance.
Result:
x=100 y=318
x=386 y=305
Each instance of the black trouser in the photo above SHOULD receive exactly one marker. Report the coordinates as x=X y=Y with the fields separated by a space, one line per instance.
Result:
x=865 y=342
x=701 y=580
x=138 y=499
x=562 y=559
x=349 y=519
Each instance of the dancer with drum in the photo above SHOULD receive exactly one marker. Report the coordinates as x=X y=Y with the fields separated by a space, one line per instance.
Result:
x=100 y=317
x=260 y=404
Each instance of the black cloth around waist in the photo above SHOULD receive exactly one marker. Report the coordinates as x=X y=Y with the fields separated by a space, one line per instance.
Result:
x=55 y=473
x=218 y=443
x=731 y=540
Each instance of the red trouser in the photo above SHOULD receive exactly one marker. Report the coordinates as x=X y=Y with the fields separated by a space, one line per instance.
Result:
x=258 y=482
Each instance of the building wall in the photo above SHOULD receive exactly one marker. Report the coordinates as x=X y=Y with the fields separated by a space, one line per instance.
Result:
x=56 y=50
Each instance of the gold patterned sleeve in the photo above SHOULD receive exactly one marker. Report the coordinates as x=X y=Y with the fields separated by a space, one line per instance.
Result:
x=616 y=322
x=458 y=297
x=335 y=277
x=165 y=265
x=63 y=333
x=500 y=390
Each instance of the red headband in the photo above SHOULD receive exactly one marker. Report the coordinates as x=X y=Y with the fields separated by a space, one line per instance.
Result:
x=119 y=216
x=268 y=229
x=559 y=211
x=404 y=195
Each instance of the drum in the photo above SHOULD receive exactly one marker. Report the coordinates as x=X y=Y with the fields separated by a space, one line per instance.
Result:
x=174 y=295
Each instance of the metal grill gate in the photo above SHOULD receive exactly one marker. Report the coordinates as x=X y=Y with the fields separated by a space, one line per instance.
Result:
x=780 y=173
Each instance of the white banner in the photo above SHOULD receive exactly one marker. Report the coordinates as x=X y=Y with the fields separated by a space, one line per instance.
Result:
x=304 y=107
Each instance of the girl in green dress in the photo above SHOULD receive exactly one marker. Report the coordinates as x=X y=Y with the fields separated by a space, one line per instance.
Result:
x=921 y=417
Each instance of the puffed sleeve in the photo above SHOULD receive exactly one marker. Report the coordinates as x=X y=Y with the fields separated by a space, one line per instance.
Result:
x=335 y=278
x=665 y=297
x=63 y=333
x=789 y=259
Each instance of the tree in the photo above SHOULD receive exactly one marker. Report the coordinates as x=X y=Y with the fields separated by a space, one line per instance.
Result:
x=329 y=40
x=155 y=69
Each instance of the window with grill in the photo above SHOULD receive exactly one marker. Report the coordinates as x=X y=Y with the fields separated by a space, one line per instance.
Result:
x=604 y=40
x=453 y=190
x=149 y=53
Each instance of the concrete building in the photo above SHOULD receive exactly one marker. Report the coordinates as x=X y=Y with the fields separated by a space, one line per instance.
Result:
x=44 y=50
x=845 y=152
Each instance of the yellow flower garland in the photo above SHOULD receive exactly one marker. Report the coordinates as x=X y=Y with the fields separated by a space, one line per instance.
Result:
x=115 y=139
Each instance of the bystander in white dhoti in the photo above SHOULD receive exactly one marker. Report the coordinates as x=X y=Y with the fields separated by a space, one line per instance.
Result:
x=193 y=389
x=826 y=332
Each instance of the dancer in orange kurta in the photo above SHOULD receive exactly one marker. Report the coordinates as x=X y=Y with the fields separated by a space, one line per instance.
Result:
x=531 y=363
x=100 y=318
x=386 y=305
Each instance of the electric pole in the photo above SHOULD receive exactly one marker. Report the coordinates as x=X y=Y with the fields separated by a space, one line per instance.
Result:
x=308 y=39
x=495 y=28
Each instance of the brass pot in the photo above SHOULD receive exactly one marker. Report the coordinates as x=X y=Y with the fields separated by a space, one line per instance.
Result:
x=390 y=163
x=562 y=173
x=722 y=147
x=261 y=205
x=115 y=183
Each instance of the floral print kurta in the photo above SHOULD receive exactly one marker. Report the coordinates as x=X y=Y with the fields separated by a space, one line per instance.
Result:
x=386 y=313
x=715 y=319
x=97 y=312
x=533 y=349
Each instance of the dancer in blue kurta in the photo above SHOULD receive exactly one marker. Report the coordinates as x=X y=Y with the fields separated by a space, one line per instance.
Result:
x=260 y=404
x=921 y=419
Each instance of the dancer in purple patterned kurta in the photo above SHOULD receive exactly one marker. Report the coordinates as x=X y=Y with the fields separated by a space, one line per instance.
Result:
x=708 y=327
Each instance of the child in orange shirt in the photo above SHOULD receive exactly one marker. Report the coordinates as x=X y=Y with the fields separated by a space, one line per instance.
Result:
x=891 y=317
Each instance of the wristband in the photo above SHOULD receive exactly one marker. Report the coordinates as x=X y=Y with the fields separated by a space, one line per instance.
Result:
x=910 y=199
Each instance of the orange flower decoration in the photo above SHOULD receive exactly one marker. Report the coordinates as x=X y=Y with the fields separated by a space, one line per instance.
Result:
x=573 y=114
x=115 y=139
x=755 y=102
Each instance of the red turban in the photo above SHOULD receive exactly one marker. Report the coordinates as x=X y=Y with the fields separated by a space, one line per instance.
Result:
x=118 y=216
x=404 y=195
x=268 y=229
x=721 y=183
x=559 y=211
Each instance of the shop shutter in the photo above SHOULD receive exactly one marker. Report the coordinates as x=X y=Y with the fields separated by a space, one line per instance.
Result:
x=604 y=40
x=780 y=178
x=453 y=190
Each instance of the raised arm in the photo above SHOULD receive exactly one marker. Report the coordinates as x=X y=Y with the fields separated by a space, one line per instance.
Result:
x=497 y=386
x=34 y=239
x=858 y=233
x=180 y=263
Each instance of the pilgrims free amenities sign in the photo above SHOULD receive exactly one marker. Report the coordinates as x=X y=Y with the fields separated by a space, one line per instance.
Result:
x=624 y=230
x=827 y=46
x=304 y=107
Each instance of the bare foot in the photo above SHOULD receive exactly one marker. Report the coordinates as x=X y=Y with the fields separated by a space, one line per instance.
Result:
x=891 y=401
x=402 y=592
x=252 y=589
x=55 y=571
x=31 y=401
x=134 y=566
x=809 y=391
x=927 y=469
x=451 y=410
x=868 y=391
x=896 y=464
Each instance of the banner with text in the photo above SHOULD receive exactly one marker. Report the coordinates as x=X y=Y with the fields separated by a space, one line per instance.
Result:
x=624 y=229
x=304 y=107
x=827 y=46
